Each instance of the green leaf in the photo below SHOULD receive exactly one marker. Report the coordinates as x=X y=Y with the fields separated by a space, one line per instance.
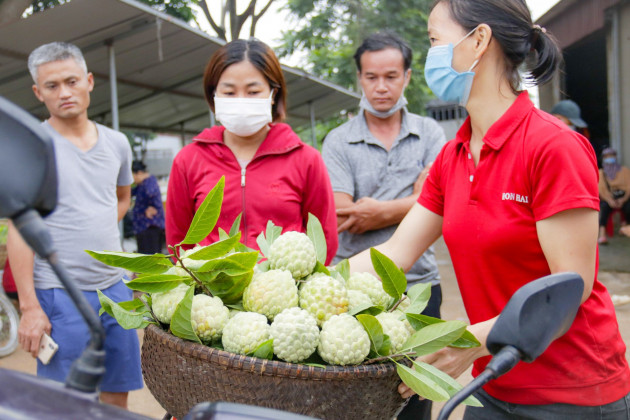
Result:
x=229 y=288
x=263 y=266
x=343 y=268
x=445 y=381
x=419 y=295
x=127 y=319
x=423 y=385
x=374 y=330
x=222 y=234
x=321 y=268
x=156 y=283
x=419 y=321
x=434 y=337
x=236 y=226
x=367 y=309
x=206 y=216
x=238 y=306
x=132 y=305
x=393 y=278
x=419 y=290
x=234 y=264
x=315 y=232
x=217 y=249
x=262 y=244
x=181 y=324
x=273 y=232
x=264 y=350
x=139 y=263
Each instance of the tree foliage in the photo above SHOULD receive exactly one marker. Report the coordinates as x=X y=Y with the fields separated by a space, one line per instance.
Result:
x=330 y=31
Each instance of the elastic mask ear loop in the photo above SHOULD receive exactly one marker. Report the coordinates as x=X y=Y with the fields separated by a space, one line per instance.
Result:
x=461 y=40
x=465 y=36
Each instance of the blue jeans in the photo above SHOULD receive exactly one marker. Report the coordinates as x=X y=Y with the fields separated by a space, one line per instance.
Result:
x=494 y=409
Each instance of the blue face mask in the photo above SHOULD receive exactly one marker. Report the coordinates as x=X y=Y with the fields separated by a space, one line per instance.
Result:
x=443 y=79
x=610 y=160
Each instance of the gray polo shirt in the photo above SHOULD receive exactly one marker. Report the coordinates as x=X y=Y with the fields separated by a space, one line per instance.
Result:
x=361 y=166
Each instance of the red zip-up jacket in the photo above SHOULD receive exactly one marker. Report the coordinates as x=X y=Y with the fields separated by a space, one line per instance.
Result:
x=284 y=182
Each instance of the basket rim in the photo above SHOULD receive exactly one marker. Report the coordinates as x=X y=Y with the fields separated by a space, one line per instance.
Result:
x=265 y=366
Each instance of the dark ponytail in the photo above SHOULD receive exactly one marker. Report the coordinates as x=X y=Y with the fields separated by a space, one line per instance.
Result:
x=521 y=41
x=547 y=56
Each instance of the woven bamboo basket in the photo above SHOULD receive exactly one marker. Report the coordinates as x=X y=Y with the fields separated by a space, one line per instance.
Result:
x=181 y=374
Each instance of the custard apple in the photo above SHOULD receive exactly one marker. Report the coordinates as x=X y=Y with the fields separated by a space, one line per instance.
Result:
x=270 y=293
x=371 y=286
x=395 y=329
x=244 y=332
x=164 y=303
x=323 y=297
x=295 y=252
x=295 y=335
x=343 y=341
x=208 y=317
x=357 y=298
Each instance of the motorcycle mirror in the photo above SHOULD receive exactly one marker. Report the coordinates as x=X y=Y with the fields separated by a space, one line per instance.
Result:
x=27 y=163
x=537 y=314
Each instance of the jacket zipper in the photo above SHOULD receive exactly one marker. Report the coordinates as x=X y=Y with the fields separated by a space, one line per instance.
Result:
x=243 y=218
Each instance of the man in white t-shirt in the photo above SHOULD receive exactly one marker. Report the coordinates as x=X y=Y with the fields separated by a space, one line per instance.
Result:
x=94 y=179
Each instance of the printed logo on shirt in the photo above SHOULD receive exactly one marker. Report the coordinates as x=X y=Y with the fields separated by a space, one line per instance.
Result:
x=507 y=196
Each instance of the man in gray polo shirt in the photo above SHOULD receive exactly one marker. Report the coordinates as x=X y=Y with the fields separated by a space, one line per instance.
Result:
x=376 y=162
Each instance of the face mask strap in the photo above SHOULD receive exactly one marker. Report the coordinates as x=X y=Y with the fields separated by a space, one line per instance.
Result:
x=465 y=36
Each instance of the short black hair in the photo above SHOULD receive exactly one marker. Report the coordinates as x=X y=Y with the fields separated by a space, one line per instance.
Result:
x=382 y=40
x=137 y=166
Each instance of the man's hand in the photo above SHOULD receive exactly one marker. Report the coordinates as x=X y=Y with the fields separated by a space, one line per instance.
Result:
x=33 y=324
x=362 y=216
x=150 y=212
x=417 y=186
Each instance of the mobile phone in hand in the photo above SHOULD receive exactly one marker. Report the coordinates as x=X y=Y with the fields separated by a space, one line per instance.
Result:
x=47 y=349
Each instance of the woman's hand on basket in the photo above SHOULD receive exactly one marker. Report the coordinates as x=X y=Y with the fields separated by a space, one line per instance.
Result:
x=455 y=361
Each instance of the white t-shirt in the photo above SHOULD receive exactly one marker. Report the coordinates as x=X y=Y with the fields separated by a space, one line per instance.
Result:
x=86 y=216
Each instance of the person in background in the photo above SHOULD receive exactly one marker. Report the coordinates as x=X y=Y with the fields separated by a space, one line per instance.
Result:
x=94 y=193
x=376 y=162
x=270 y=174
x=614 y=191
x=148 y=211
x=569 y=113
x=515 y=196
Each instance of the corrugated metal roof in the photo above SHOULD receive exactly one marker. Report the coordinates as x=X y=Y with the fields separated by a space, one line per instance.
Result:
x=572 y=20
x=159 y=64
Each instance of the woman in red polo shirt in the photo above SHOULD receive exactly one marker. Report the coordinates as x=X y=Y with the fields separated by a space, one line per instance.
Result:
x=515 y=196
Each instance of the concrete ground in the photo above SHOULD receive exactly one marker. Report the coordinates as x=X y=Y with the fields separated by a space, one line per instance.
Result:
x=614 y=273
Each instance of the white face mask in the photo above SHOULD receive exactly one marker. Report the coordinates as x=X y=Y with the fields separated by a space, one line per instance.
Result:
x=243 y=116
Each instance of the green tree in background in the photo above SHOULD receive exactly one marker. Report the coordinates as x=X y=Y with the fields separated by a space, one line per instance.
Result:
x=330 y=31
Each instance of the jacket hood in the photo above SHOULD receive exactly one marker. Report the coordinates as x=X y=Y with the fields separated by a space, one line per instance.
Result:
x=280 y=139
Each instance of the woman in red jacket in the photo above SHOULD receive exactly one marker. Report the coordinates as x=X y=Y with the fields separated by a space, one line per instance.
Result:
x=270 y=174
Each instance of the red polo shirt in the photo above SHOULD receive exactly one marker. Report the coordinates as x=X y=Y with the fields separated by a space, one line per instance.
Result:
x=531 y=167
